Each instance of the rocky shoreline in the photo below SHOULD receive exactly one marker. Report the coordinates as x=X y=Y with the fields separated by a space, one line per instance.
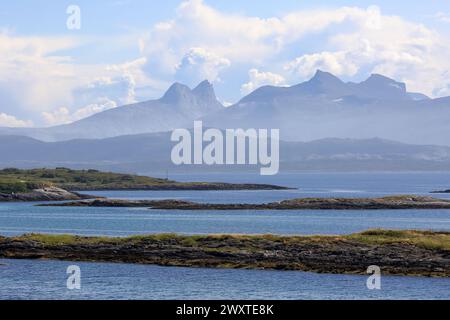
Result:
x=414 y=253
x=44 y=194
x=391 y=203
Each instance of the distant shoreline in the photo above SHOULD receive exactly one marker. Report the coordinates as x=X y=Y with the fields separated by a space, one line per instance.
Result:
x=386 y=203
x=412 y=253
x=191 y=186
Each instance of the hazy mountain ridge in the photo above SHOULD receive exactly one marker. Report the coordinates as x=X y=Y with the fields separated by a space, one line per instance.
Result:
x=327 y=85
x=323 y=107
x=326 y=107
x=147 y=153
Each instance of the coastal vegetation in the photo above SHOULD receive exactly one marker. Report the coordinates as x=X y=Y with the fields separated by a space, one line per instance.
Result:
x=68 y=179
x=17 y=186
x=424 y=239
x=14 y=180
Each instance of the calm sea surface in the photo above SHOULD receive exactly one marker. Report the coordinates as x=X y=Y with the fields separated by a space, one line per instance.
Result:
x=46 y=279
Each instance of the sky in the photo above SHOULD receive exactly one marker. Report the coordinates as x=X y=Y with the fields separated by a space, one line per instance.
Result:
x=61 y=61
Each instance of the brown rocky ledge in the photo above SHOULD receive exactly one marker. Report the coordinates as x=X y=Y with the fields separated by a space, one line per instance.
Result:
x=416 y=253
x=394 y=202
x=44 y=194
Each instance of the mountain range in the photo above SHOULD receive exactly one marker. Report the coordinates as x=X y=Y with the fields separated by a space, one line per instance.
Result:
x=322 y=107
x=326 y=107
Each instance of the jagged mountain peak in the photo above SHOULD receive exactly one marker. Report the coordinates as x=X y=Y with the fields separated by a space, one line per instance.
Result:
x=179 y=93
x=205 y=85
x=176 y=92
x=323 y=83
x=323 y=76
x=380 y=80
x=205 y=90
x=381 y=87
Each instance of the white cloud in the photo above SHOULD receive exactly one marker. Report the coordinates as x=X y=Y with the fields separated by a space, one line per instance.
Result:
x=11 y=121
x=199 y=64
x=32 y=79
x=64 y=115
x=443 y=17
x=30 y=76
x=258 y=79
x=130 y=73
x=51 y=88
x=339 y=63
x=222 y=39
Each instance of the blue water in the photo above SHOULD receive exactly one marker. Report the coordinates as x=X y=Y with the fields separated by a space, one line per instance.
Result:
x=46 y=279
x=19 y=218
x=25 y=279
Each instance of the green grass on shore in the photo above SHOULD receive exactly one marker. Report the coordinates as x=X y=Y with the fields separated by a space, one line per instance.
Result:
x=12 y=185
x=424 y=239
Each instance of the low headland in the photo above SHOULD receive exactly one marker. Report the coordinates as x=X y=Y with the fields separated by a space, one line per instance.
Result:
x=386 y=203
x=413 y=253
x=42 y=184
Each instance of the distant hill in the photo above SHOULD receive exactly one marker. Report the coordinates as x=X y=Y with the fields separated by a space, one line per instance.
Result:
x=150 y=153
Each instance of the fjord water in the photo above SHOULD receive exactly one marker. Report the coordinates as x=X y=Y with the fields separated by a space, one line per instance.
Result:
x=22 y=279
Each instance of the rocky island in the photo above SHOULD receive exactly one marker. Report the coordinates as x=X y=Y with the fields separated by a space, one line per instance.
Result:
x=392 y=203
x=441 y=191
x=415 y=253
x=61 y=184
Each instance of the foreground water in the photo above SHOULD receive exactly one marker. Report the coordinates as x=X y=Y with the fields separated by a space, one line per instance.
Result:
x=46 y=279
x=24 y=279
